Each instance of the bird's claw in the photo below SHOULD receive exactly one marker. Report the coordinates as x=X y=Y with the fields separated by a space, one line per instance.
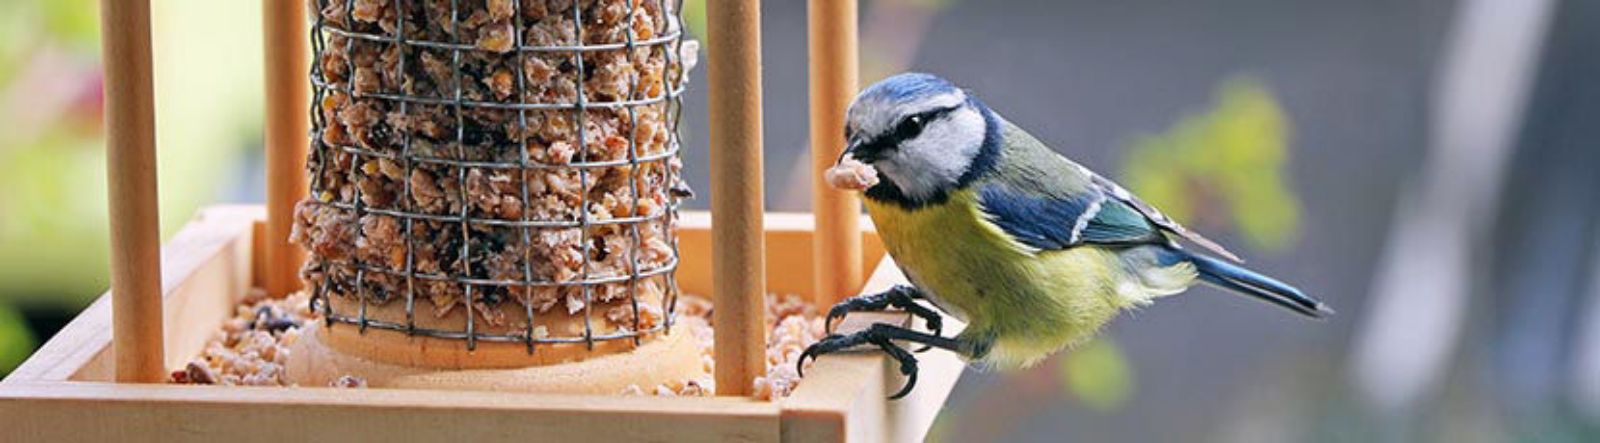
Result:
x=908 y=368
x=934 y=322
x=902 y=296
x=873 y=335
x=838 y=311
x=812 y=352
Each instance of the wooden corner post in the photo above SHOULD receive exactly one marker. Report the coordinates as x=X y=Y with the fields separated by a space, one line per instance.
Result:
x=131 y=175
x=733 y=45
x=831 y=42
x=287 y=126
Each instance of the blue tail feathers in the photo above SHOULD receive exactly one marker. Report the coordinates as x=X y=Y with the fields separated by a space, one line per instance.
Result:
x=1244 y=281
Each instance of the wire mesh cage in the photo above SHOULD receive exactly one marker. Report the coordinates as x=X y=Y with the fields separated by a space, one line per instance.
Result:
x=495 y=170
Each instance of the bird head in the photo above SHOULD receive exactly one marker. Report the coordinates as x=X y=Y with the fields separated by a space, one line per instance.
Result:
x=921 y=133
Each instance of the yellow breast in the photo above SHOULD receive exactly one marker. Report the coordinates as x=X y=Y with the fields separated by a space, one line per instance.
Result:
x=1031 y=302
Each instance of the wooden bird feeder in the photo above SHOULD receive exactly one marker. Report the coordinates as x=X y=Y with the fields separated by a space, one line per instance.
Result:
x=102 y=376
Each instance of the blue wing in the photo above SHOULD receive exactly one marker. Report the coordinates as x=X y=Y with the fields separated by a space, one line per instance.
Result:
x=1049 y=222
x=1048 y=202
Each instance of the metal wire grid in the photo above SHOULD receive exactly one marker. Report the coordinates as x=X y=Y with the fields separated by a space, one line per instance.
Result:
x=670 y=41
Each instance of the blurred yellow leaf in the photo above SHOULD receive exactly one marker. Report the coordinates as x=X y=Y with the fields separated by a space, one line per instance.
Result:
x=1224 y=164
x=16 y=340
x=76 y=22
x=694 y=18
x=1098 y=374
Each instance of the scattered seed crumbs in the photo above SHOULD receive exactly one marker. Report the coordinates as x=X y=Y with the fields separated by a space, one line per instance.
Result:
x=252 y=348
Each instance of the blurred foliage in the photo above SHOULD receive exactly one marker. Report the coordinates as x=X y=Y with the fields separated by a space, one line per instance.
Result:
x=52 y=162
x=16 y=340
x=694 y=18
x=1223 y=165
x=1098 y=374
x=52 y=179
x=25 y=25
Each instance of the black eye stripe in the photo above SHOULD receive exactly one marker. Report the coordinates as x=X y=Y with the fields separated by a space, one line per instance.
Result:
x=912 y=125
x=907 y=128
x=923 y=118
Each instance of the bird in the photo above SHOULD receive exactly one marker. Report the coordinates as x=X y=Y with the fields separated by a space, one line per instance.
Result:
x=1033 y=251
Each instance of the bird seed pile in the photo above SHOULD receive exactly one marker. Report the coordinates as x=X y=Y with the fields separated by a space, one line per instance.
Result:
x=253 y=347
x=792 y=325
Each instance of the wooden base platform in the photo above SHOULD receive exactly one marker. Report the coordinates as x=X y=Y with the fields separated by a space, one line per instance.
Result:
x=64 y=391
x=671 y=358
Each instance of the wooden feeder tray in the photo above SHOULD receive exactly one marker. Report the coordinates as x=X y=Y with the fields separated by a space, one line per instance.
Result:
x=99 y=378
x=65 y=391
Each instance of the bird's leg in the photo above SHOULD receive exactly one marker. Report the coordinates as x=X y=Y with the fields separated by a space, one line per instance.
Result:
x=883 y=336
x=900 y=296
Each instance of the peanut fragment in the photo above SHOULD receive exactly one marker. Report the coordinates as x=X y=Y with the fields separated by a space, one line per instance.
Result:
x=851 y=175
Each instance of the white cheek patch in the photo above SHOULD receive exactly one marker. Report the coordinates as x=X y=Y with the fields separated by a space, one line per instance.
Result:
x=935 y=160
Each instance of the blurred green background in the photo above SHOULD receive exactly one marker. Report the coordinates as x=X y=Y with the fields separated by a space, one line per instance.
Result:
x=53 y=256
x=1425 y=166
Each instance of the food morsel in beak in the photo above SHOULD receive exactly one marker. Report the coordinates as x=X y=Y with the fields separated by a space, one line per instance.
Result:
x=851 y=175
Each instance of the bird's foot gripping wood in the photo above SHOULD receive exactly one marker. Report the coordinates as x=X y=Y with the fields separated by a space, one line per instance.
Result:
x=900 y=296
x=883 y=336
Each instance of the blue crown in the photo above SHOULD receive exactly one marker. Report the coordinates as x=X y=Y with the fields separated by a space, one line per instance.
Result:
x=907 y=86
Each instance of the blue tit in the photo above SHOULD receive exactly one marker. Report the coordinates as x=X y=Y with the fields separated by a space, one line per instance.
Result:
x=1032 y=250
